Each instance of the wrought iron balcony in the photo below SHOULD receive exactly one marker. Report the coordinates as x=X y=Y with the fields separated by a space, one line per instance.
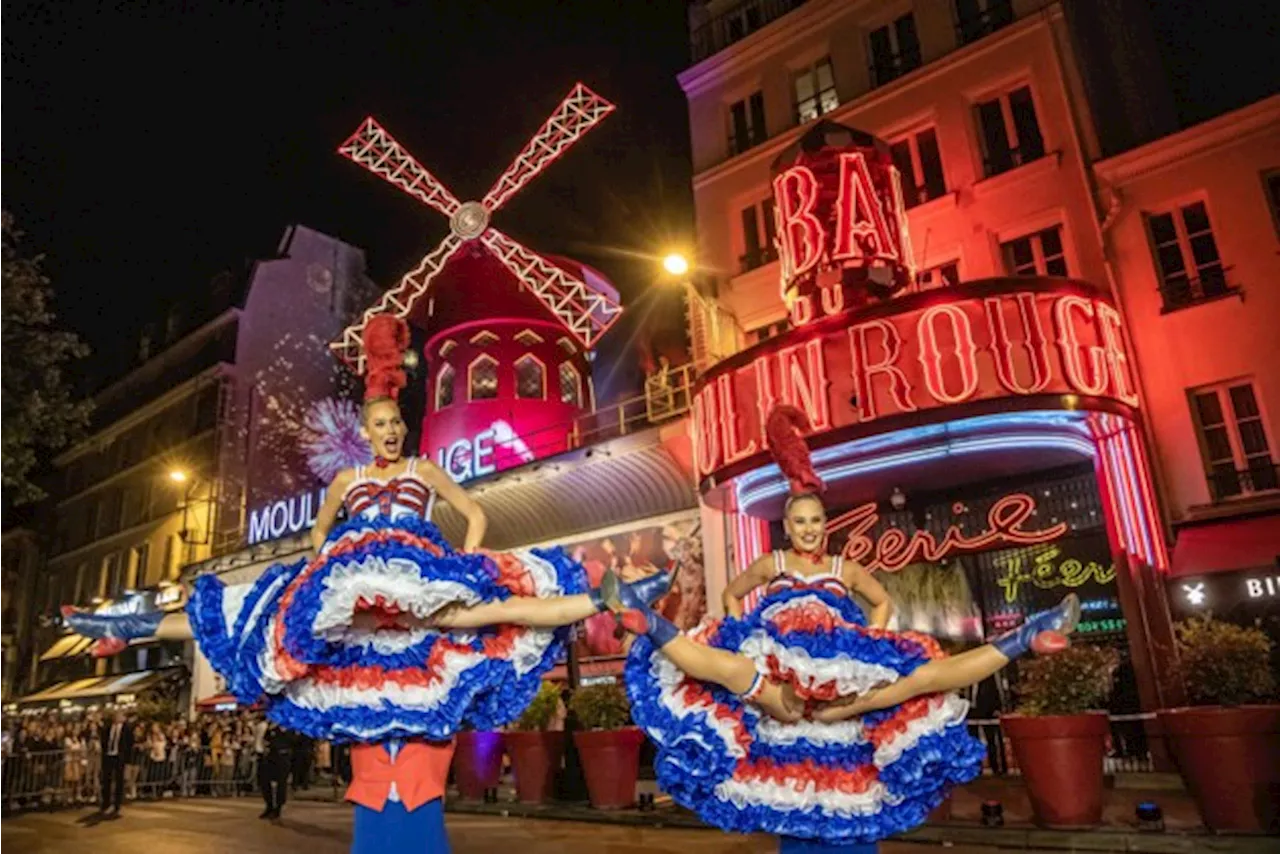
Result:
x=1012 y=158
x=1183 y=291
x=736 y=23
x=757 y=258
x=1259 y=477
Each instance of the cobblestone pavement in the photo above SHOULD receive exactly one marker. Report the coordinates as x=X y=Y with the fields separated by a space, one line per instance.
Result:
x=231 y=825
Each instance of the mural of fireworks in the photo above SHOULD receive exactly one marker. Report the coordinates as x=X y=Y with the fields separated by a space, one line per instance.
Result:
x=331 y=438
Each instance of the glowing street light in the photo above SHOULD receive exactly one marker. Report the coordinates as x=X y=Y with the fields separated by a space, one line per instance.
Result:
x=675 y=264
x=178 y=476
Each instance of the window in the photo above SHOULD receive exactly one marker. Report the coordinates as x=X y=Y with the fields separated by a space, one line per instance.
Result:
x=172 y=555
x=484 y=338
x=941 y=276
x=757 y=236
x=746 y=123
x=1038 y=254
x=920 y=165
x=771 y=330
x=528 y=337
x=978 y=18
x=1186 y=256
x=1233 y=440
x=482 y=378
x=895 y=50
x=138 y=558
x=444 y=386
x=207 y=408
x=531 y=379
x=109 y=583
x=815 y=90
x=1272 y=181
x=137 y=497
x=1010 y=131
x=570 y=385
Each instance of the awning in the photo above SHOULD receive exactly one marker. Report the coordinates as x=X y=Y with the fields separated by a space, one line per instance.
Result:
x=1227 y=546
x=222 y=701
x=100 y=686
x=68 y=645
x=636 y=477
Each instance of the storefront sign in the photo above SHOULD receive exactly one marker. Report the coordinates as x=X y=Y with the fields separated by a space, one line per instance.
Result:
x=1002 y=340
x=1049 y=571
x=481 y=454
x=894 y=549
x=1223 y=592
x=285 y=517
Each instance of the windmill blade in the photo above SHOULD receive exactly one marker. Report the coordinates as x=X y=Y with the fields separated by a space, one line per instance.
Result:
x=398 y=300
x=579 y=112
x=376 y=150
x=586 y=313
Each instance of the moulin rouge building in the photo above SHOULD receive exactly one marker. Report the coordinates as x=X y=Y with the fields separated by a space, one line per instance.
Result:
x=976 y=315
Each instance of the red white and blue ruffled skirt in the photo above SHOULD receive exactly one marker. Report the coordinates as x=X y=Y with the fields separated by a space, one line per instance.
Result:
x=292 y=639
x=855 y=781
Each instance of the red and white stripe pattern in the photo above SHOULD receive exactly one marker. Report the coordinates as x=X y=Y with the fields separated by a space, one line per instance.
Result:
x=404 y=494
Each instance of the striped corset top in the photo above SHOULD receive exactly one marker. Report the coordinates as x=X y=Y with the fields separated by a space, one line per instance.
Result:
x=831 y=581
x=406 y=494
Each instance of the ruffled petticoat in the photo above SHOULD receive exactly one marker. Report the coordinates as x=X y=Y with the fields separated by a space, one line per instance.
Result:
x=859 y=780
x=291 y=636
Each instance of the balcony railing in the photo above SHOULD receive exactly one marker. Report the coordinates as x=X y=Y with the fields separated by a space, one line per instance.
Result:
x=998 y=14
x=1011 y=159
x=735 y=24
x=885 y=69
x=1183 y=291
x=757 y=258
x=1259 y=477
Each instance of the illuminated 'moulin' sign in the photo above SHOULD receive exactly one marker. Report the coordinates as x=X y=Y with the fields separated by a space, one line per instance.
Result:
x=986 y=342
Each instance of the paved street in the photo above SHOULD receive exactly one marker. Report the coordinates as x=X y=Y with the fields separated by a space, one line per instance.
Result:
x=208 y=826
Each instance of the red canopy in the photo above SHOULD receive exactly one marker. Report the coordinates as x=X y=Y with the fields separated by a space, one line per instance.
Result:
x=1227 y=546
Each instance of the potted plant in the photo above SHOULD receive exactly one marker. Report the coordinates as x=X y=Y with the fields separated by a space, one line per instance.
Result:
x=536 y=751
x=1227 y=743
x=609 y=746
x=1057 y=736
x=477 y=763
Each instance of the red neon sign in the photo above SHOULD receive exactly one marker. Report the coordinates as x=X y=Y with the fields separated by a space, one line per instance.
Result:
x=841 y=223
x=1013 y=338
x=894 y=549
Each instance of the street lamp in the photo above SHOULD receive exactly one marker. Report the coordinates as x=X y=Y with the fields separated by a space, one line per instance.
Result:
x=178 y=476
x=675 y=264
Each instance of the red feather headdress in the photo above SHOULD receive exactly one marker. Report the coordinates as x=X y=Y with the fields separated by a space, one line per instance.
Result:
x=386 y=337
x=784 y=432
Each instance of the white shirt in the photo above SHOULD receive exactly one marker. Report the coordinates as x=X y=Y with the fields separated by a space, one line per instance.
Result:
x=113 y=739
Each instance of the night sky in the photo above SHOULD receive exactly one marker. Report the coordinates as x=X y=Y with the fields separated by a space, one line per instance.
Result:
x=150 y=145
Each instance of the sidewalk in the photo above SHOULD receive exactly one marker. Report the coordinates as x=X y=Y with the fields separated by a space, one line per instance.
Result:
x=1183 y=833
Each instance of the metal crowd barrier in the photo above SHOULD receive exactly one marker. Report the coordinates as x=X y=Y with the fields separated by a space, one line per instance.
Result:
x=60 y=778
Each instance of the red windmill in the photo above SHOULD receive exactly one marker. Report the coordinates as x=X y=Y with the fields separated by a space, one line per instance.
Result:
x=585 y=312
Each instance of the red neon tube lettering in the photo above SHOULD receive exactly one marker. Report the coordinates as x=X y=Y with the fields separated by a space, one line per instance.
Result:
x=931 y=353
x=804 y=383
x=733 y=451
x=799 y=230
x=865 y=370
x=1117 y=355
x=1034 y=342
x=706 y=431
x=861 y=229
x=1093 y=379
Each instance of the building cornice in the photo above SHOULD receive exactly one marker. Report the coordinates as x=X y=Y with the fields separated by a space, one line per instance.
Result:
x=923 y=76
x=1231 y=128
x=813 y=18
x=141 y=413
x=172 y=352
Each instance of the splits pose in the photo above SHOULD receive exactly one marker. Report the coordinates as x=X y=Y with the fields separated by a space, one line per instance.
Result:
x=388 y=636
x=807 y=718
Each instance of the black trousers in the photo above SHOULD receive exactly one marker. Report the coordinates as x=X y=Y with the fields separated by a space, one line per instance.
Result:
x=112 y=782
x=273 y=779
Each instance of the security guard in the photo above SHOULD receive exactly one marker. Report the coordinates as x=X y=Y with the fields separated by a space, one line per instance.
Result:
x=273 y=769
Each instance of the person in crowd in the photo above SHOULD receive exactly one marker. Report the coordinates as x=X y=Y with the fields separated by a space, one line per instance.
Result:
x=273 y=770
x=74 y=763
x=116 y=741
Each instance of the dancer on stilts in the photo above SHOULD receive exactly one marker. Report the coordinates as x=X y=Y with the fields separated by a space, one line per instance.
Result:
x=807 y=718
x=388 y=636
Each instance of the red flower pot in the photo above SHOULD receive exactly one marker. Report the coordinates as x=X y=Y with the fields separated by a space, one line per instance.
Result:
x=611 y=763
x=477 y=763
x=1061 y=761
x=1229 y=759
x=535 y=761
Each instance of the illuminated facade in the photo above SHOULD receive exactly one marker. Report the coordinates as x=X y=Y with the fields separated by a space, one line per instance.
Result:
x=1192 y=225
x=937 y=298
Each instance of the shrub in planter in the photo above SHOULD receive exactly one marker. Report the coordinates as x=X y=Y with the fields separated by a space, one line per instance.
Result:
x=536 y=752
x=609 y=746
x=1058 y=738
x=1227 y=745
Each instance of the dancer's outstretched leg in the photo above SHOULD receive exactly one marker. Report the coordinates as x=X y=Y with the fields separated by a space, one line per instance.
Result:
x=1045 y=631
x=553 y=611
x=706 y=664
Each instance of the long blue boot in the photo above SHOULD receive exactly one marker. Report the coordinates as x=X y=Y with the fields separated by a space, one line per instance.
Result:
x=1043 y=632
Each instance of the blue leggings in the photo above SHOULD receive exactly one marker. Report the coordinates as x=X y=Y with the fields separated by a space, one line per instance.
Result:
x=395 y=830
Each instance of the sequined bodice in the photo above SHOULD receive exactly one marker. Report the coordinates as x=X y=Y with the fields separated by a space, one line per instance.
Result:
x=831 y=581
x=406 y=494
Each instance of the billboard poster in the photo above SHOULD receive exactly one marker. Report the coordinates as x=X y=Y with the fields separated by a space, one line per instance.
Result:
x=676 y=545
